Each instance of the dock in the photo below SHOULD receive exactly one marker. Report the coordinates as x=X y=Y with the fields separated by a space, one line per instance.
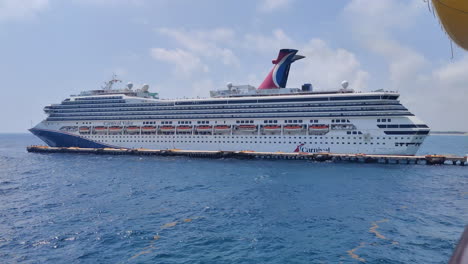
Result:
x=319 y=157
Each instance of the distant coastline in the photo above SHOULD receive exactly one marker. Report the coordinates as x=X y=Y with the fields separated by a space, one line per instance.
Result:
x=452 y=133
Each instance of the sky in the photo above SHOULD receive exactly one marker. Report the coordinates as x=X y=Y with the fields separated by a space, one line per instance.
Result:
x=50 y=49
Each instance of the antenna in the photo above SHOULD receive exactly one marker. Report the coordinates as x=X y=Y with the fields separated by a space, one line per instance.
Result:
x=108 y=85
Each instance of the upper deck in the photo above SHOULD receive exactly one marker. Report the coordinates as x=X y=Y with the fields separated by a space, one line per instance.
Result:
x=248 y=90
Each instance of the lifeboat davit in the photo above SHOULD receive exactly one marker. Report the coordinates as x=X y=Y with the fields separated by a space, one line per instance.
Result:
x=453 y=15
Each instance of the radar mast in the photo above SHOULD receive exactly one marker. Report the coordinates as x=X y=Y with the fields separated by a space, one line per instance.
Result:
x=108 y=85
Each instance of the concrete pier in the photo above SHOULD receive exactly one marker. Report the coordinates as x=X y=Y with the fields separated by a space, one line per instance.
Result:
x=320 y=157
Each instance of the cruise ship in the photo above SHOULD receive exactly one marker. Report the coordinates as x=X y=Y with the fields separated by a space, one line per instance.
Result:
x=270 y=118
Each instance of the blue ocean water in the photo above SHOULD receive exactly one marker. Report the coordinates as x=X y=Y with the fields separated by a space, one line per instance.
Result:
x=68 y=208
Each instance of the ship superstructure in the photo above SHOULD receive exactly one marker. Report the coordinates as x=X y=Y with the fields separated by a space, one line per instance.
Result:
x=269 y=118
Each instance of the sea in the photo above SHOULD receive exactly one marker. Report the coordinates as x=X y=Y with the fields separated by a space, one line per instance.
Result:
x=78 y=208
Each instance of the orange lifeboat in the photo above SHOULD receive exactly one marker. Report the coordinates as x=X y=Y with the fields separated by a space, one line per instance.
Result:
x=292 y=128
x=318 y=127
x=167 y=128
x=222 y=128
x=84 y=130
x=204 y=128
x=100 y=129
x=148 y=129
x=184 y=128
x=247 y=128
x=131 y=129
x=272 y=128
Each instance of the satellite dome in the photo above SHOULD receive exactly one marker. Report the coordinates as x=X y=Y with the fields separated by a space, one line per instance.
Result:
x=129 y=85
x=229 y=85
x=145 y=87
x=344 y=84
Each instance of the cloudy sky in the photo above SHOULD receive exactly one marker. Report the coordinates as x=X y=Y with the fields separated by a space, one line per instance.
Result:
x=50 y=49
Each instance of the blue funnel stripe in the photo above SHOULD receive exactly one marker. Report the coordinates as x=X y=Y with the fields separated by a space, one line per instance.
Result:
x=281 y=72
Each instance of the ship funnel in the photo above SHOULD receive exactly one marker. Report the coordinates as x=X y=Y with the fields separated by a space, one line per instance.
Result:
x=278 y=76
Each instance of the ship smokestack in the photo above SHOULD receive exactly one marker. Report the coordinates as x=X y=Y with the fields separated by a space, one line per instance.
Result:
x=278 y=76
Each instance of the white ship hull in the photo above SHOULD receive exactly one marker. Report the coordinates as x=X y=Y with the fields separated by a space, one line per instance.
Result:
x=370 y=141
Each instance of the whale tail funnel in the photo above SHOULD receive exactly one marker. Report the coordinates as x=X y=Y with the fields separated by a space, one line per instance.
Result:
x=278 y=76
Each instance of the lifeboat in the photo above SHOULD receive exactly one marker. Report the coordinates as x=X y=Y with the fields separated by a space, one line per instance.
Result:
x=184 y=128
x=272 y=128
x=204 y=128
x=247 y=128
x=100 y=129
x=318 y=127
x=292 y=128
x=167 y=129
x=115 y=130
x=148 y=129
x=84 y=130
x=222 y=128
x=131 y=129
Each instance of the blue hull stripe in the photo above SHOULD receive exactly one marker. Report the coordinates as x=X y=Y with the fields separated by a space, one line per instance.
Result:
x=62 y=139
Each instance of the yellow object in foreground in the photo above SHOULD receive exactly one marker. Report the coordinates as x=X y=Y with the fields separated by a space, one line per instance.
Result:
x=453 y=15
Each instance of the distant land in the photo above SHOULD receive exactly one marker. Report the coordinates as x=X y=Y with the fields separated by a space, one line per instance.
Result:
x=448 y=133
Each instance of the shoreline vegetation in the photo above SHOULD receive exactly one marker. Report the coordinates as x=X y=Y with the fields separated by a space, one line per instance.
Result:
x=454 y=133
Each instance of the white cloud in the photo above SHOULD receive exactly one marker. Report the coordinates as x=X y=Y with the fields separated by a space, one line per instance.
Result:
x=108 y=3
x=184 y=62
x=454 y=73
x=205 y=43
x=272 y=5
x=324 y=66
x=203 y=87
x=439 y=96
x=383 y=14
x=21 y=9
x=434 y=93
x=266 y=43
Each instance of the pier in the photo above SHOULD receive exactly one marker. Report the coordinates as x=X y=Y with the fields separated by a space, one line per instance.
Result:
x=319 y=157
